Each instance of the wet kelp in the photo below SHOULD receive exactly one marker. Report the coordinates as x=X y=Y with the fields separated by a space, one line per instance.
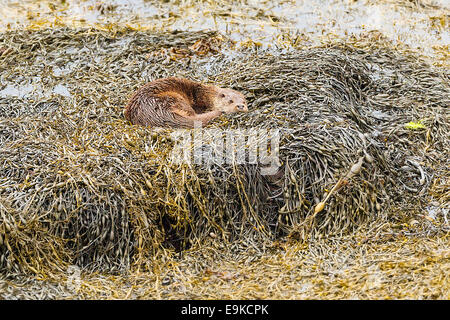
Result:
x=79 y=185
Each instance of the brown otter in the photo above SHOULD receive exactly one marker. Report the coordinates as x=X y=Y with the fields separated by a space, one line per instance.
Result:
x=181 y=103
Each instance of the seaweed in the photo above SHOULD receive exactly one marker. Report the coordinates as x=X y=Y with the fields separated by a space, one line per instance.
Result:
x=81 y=186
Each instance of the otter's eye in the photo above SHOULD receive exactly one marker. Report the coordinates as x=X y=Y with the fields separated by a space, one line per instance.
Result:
x=222 y=95
x=231 y=101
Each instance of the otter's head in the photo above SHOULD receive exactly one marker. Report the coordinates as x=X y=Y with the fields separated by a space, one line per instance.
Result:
x=229 y=101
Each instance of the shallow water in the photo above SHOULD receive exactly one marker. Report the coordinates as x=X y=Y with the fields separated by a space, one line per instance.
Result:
x=424 y=28
x=16 y=91
x=34 y=90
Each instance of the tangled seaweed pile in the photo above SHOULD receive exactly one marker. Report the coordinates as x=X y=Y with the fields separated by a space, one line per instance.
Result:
x=79 y=185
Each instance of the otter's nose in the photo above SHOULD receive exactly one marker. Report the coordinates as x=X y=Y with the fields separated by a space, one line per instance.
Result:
x=242 y=107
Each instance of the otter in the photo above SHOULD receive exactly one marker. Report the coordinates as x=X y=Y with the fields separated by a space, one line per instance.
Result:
x=181 y=103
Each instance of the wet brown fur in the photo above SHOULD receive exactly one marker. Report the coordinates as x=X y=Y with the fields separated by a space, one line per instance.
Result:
x=181 y=103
